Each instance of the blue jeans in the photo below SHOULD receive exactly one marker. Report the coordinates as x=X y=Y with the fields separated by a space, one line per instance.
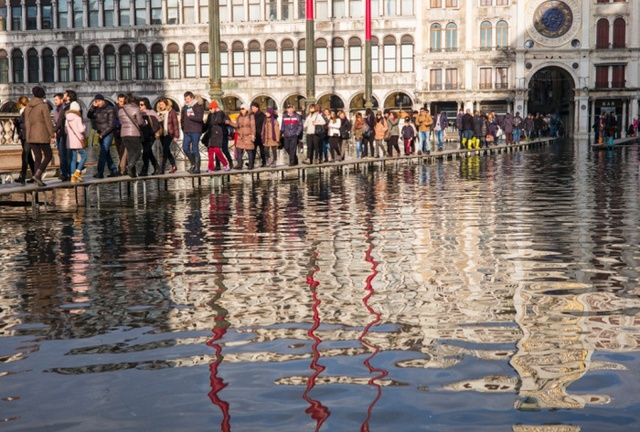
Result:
x=105 y=155
x=190 y=143
x=439 y=134
x=517 y=135
x=74 y=160
x=425 y=141
x=63 y=154
x=358 y=148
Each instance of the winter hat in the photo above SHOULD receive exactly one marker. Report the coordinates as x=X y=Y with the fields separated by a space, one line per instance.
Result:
x=244 y=107
x=75 y=106
x=213 y=105
x=99 y=97
x=255 y=104
x=38 y=92
x=271 y=112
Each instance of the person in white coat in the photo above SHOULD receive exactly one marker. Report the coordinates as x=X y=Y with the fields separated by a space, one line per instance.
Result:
x=75 y=129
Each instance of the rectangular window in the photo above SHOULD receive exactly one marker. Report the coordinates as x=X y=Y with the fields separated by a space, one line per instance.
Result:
x=271 y=10
x=94 y=67
x=18 y=70
x=502 y=78
x=302 y=9
x=451 y=3
x=407 y=7
x=174 y=65
x=238 y=63
x=237 y=10
x=502 y=2
x=618 y=76
x=287 y=10
x=338 y=60
x=48 y=69
x=77 y=14
x=357 y=9
x=4 y=70
x=204 y=64
x=602 y=76
x=125 y=67
x=254 y=63
x=339 y=10
x=157 y=65
x=33 y=69
x=172 y=11
x=94 y=13
x=16 y=18
x=322 y=9
x=142 y=67
x=486 y=2
x=224 y=63
x=78 y=68
x=302 y=62
x=254 y=10
x=125 y=12
x=375 y=8
x=140 y=9
x=406 y=61
x=451 y=79
x=110 y=67
x=389 y=58
x=271 y=62
x=485 y=78
x=389 y=7
x=32 y=18
x=156 y=12
x=64 y=65
x=355 y=59
x=435 y=79
x=375 y=59
x=322 y=61
x=204 y=12
x=436 y=3
x=190 y=65
x=188 y=12
x=108 y=13
x=288 y=62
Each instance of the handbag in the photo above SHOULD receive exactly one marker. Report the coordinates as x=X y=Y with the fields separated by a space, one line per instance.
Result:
x=319 y=130
x=489 y=138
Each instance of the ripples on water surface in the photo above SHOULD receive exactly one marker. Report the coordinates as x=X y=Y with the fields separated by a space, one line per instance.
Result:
x=487 y=294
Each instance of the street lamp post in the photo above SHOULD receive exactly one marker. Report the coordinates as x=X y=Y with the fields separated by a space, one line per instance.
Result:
x=309 y=46
x=215 y=80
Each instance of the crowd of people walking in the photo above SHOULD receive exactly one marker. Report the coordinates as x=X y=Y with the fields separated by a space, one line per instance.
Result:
x=134 y=127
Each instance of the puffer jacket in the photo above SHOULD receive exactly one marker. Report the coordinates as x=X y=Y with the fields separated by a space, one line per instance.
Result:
x=104 y=119
x=75 y=129
x=507 y=124
x=130 y=120
x=192 y=118
x=270 y=129
x=38 y=122
x=380 y=129
x=246 y=128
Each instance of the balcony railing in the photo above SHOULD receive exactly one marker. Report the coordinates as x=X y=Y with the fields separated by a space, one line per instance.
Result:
x=502 y=85
x=435 y=87
x=451 y=86
x=485 y=86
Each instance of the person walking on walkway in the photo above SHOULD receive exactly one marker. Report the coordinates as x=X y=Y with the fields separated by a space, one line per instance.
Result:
x=59 y=118
x=440 y=123
x=291 y=129
x=40 y=134
x=75 y=132
x=214 y=136
x=149 y=129
x=314 y=134
x=380 y=130
x=425 y=124
x=21 y=129
x=259 y=118
x=192 y=121
x=170 y=132
x=104 y=121
x=271 y=136
x=245 y=127
x=131 y=122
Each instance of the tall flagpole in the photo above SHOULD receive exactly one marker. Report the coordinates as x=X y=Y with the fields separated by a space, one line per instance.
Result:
x=368 y=87
x=310 y=52
x=215 y=79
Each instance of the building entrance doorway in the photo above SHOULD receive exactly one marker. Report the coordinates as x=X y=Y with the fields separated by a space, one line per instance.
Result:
x=551 y=91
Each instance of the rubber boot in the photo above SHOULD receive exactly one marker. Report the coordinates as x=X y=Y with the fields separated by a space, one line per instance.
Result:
x=196 y=166
x=192 y=162
x=464 y=142
x=611 y=141
x=477 y=143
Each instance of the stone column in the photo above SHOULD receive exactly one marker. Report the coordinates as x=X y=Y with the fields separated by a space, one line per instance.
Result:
x=38 y=20
x=581 y=115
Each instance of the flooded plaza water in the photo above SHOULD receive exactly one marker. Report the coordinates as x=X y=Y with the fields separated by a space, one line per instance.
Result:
x=495 y=293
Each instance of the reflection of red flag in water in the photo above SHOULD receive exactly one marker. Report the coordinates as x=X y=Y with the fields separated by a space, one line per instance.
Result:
x=381 y=372
x=318 y=412
x=217 y=383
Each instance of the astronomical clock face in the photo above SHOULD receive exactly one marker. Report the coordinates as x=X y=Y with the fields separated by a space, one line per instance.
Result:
x=553 y=23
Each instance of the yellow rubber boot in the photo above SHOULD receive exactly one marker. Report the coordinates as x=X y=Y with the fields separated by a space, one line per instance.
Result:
x=477 y=141
x=464 y=142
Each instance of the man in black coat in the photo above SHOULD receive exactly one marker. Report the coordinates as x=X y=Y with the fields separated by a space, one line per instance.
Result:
x=104 y=120
x=259 y=119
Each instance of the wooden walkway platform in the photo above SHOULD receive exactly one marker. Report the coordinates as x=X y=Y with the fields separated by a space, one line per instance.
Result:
x=35 y=196
x=617 y=143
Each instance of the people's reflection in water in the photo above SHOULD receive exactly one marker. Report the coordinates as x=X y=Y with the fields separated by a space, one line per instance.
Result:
x=316 y=410
x=375 y=319
x=193 y=235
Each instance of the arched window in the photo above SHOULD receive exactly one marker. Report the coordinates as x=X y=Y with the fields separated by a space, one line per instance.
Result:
x=502 y=34
x=271 y=58
x=125 y=63
x=64 y=65
x=355 y=55
x=486 y=36
x=602 y=34
x=302 y=57
x=375 y=55
x=189 y=51
x=451 y=37
x=237 y=56
x=78 y=64
x=33 y=66
x=110 y=63
x=288 y=57
x=173 y=52
x=619 y=33
x=436 y=37
x=322 y=57
x=18 y=66
x=142 y=63
x=48 y=66
x=255 y=59
x=389 y=53
x=406 y=54
x=203 y=49
x=4 y=67
x=337 y=48
x=94 y=63
x=157 y=62
x=224 y=59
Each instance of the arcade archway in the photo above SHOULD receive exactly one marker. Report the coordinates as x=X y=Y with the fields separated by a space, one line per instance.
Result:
x=551 y=91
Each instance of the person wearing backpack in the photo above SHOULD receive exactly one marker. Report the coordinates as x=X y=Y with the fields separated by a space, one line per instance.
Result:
x=149 y=130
